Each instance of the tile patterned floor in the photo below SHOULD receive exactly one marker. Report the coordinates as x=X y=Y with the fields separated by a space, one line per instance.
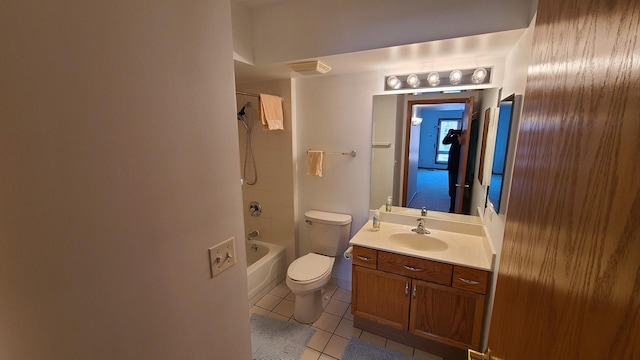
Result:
x=333 y=329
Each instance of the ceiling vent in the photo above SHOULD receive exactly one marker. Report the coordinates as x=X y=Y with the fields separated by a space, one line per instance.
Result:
x=310 y=67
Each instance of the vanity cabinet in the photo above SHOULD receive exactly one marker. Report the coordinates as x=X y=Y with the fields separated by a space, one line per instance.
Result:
x=381 y=297
x=426 y=299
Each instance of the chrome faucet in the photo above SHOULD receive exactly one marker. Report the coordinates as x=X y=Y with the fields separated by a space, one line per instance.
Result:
x=421 y=229
x=252 y=235
x=423 y=212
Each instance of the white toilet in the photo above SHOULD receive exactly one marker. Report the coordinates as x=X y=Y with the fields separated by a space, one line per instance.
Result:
x=307 y=275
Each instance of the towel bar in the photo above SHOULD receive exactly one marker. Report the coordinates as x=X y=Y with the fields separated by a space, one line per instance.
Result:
x=352 y=153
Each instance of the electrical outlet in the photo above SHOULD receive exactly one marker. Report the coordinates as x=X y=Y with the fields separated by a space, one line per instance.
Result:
x=222 y=256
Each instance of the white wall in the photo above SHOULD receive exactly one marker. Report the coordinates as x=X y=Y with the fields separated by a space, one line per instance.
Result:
x=273 y=152
x=384 y=110
x=334 y=114
x=306 y=28
x=242 y=22
x=119 y=169
x=479 y=195
x=515 y=81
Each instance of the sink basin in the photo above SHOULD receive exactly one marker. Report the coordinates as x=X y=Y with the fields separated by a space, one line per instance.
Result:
x=421 y=242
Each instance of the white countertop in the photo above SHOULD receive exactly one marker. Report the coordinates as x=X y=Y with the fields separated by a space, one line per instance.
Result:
x=470 y=250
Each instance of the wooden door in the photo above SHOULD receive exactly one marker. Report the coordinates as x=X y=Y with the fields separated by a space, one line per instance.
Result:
x=461 y=183
x=569 y=276
x=381 y=297
x=445 y=314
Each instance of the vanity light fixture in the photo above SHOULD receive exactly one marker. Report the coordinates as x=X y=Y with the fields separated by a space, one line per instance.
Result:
x=393 y=82
x=478 y=75
x=435 y=79
x=455 y=77
x=413 y=80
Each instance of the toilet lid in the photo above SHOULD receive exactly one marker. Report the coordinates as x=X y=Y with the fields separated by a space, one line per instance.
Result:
x=309 y=267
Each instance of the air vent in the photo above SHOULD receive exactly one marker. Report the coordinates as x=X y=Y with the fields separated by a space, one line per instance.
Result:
x=310 y=67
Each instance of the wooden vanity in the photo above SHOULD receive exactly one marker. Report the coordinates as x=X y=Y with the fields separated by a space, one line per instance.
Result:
x=435 y=306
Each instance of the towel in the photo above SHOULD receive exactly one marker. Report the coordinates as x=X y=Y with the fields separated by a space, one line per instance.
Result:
x=314 y=163
x=271 y=112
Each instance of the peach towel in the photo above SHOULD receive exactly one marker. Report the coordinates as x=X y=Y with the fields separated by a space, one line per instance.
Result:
x=271 y=112
x=314 y=163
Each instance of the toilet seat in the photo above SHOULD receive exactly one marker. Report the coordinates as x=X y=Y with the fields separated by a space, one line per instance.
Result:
x=308 y=268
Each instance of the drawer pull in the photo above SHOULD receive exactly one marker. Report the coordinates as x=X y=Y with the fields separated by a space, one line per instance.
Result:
x=470 y=282
x=406 y=289
x=363 y=258
x=411 y=268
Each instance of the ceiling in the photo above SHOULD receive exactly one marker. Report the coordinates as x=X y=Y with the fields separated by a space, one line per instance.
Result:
x=438 y=55
x=434 y=55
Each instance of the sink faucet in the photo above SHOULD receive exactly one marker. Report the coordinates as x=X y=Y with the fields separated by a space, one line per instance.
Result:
x=421 y=229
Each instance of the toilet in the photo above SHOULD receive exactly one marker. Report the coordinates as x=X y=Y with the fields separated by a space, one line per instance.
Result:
x=307 y=275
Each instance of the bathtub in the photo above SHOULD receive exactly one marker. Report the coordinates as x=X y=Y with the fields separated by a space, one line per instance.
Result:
x=265 y=267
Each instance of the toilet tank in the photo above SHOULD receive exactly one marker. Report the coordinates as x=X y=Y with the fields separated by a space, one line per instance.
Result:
x=328 y=232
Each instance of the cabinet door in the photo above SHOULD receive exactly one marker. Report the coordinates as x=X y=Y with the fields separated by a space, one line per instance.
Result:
x=446 y=314
x=381 y=297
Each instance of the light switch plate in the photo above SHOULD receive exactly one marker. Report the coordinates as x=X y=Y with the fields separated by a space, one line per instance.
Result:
x=222 y=256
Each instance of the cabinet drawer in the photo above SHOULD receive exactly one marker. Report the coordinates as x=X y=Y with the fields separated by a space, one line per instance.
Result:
x=470 y=279
x=416 y=268
x=365 y=257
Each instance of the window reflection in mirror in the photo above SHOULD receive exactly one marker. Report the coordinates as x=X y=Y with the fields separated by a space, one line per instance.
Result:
x=509 y=107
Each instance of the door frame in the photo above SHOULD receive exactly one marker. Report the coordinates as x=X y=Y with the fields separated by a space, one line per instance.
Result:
x=466 y=121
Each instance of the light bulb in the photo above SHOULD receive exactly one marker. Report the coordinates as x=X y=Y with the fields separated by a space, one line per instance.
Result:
x=413 y=80
x=393 y=82
x=455 y=76
x=433 y=78
x=479 y=75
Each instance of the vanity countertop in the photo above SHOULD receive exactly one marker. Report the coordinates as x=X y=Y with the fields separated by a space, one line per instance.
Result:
x=470 y=250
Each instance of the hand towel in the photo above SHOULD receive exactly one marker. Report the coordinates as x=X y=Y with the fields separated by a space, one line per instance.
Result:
x=314 y=163
x=271 y=112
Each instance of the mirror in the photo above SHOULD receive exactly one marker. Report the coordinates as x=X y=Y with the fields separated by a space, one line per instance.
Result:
x=509 y=107
x=390 y=131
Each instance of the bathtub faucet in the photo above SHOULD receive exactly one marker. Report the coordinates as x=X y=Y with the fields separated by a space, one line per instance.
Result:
x=252 y=235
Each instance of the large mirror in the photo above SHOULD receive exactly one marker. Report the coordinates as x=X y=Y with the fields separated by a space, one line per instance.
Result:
x=507 y=114
x=397 y=125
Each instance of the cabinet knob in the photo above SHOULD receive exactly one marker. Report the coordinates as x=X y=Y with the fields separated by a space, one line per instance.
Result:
x=414 y=291
x=406 y=289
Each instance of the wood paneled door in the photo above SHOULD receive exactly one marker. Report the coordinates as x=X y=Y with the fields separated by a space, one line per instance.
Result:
x=569 y=277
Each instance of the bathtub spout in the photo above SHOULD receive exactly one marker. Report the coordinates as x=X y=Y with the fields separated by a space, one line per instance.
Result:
x=252 y=235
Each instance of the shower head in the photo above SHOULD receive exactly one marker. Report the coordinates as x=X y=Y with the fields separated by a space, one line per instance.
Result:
x=242 y=113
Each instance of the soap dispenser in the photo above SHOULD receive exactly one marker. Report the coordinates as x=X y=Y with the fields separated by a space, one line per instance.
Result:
x=387 y=207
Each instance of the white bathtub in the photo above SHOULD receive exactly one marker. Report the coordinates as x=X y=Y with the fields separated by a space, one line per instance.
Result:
x=265 y=267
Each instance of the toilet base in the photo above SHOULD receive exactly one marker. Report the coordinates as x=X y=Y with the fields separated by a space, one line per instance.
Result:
x=308 y=307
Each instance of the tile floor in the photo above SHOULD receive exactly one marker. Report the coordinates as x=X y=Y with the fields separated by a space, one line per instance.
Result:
x=333 y=329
